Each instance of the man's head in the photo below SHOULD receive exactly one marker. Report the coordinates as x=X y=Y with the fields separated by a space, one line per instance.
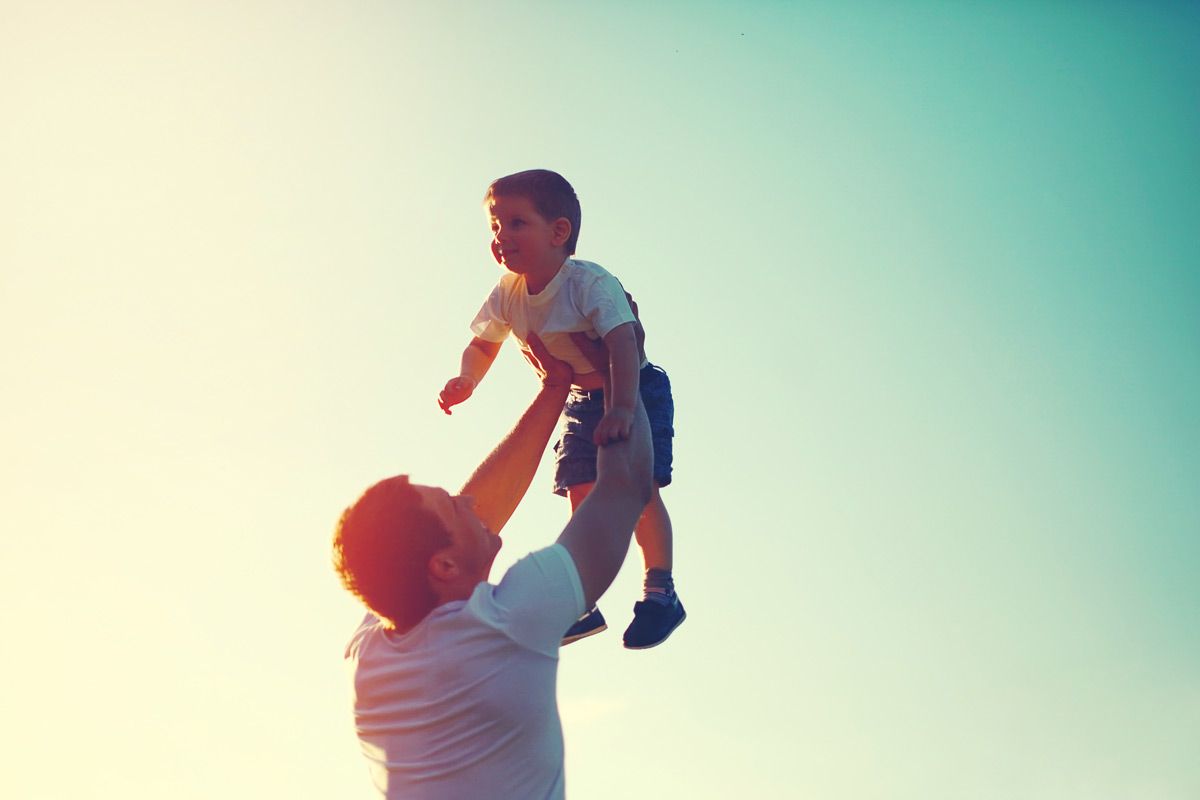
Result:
x=405 y=549
x=549 y=194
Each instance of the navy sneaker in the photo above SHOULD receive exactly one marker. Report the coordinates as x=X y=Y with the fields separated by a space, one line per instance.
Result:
x=589 y=624
x=653 y=622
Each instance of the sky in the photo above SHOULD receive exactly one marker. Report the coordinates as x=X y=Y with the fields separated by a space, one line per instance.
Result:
x=925 y=276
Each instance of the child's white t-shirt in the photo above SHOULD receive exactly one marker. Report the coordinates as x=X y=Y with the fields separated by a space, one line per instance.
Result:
x=583 y=296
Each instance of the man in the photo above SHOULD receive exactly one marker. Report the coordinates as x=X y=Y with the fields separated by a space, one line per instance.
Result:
x=454 y=677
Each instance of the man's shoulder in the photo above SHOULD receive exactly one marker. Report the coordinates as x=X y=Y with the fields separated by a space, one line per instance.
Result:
x=536 y=600
x=550 y=564
x=369 y=627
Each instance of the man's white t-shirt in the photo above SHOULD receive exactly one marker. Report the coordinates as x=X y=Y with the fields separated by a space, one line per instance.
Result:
x=582 y=297
x=464 y=705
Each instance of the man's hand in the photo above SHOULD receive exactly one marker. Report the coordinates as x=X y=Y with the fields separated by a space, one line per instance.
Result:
x=614 y=427
x=637 y=328
x=551 y=371
x=457 y=391
x=595 y=351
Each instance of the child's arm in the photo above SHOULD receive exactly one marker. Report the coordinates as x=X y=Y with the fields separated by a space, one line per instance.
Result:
x=476 y=360
x=624 y=360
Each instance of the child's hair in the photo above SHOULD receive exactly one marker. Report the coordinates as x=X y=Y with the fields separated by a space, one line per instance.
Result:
x=550 y=194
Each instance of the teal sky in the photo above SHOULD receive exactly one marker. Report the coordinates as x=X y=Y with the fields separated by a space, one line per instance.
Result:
x=926 y=277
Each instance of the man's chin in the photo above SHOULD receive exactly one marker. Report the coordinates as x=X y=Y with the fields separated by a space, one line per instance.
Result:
x=496 y=552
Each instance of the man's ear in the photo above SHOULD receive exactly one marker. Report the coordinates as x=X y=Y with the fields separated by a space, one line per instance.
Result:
x=562 y=231
x=443 y=567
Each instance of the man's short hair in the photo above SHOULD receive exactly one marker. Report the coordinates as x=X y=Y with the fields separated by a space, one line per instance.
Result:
x=550 y=194
x=381 y=551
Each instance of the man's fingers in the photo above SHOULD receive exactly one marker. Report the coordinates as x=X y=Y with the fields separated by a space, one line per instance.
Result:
x=633 y=305
x=639 y=330
x=537 y=347
x=593 y=350
x=534 y=362
x=552 y=371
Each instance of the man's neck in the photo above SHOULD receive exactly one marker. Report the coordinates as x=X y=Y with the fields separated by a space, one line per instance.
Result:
x=538 y=279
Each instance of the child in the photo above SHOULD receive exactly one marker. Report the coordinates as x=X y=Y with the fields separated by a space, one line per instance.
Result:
x=535 y=219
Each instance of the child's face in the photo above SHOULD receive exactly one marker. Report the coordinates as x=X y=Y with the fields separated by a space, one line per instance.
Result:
x=522 y=239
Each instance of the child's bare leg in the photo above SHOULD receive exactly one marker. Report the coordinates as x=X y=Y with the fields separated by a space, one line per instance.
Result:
x=653 y=534
x=653 y=531
x=592 y=621
x=659 y=612
x=577 y=492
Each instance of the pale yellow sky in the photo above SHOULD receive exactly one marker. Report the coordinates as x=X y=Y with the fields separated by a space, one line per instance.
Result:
x=923 y=278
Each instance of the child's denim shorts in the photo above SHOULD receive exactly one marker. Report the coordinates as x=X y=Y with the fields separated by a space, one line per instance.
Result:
x=575 y=454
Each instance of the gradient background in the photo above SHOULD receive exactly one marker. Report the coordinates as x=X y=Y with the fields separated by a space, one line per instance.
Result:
x=925 y=276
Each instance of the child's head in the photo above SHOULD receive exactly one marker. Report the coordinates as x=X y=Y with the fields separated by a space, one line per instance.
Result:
x=549 y=193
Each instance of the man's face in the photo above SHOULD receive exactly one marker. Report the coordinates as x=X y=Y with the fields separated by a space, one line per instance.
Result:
x=522 y=239
x=471 y=543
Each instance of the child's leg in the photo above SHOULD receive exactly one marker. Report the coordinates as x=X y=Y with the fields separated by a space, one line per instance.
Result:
x=653 y=530
x=653 y=534
x=592 y=621
x=577 y=492
x=659 y=612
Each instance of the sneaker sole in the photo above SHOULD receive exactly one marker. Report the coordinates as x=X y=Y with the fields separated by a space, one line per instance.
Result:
x=660 y=641
x=568 y=639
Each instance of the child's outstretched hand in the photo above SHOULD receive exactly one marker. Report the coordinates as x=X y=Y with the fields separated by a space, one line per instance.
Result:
x=457 y=390
x=616 y=426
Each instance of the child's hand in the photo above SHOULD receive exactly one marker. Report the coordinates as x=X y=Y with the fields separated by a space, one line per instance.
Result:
x=616 y=426
x=457 y=390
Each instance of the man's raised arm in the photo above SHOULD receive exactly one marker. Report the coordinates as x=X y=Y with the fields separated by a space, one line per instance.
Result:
x=597 y=537
x=499 y=483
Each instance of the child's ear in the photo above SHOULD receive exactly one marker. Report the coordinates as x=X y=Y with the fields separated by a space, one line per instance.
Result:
x=496 y=252
x=562 y=231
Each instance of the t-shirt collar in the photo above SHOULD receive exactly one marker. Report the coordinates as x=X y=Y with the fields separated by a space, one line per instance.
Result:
x=552 y=287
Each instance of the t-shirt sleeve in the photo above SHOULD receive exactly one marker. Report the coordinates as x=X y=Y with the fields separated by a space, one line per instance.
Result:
x=540 y=596
x=605 y=306
x=491 y=323
x=365 y=628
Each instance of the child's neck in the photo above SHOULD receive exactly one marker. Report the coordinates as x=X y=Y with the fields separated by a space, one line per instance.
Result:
x=538 y=279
